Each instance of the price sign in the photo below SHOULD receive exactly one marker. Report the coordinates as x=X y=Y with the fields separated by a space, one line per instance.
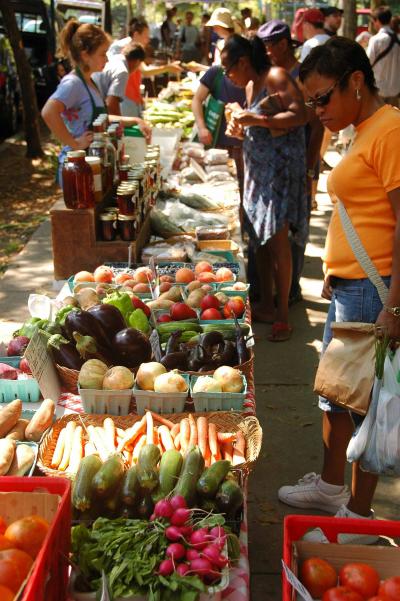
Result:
x=42 y=368
x=296 y=584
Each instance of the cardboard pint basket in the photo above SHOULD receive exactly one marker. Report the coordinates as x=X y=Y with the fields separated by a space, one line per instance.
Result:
x=346 y=370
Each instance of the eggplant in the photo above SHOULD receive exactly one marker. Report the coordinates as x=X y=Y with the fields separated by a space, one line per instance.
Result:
x=173 y=342
x=64 y=352
x=109 y=318
x=85 y=324
x=87 y=348
x=131 y=347
x=177 y=360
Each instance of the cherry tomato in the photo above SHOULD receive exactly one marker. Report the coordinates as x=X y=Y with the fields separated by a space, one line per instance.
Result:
x=341 y=593
x=360 y=577
x=317 y=575
x=390 y=589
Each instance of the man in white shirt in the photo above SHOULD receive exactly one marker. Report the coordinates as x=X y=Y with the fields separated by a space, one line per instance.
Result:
x=384 y=54
x=313 y=31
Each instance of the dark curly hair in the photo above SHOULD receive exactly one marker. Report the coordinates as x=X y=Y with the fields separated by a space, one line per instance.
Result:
x=238 y=46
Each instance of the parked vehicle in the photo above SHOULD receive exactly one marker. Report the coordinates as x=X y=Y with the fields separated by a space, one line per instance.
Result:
x=85 y=11
x=9 y=90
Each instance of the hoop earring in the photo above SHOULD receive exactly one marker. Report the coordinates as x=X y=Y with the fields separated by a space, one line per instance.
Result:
x=358 y=95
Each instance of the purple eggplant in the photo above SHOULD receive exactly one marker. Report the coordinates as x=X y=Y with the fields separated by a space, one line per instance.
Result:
x=109 y=318
x=131 y=348
x=85 y=324
x=64 y=352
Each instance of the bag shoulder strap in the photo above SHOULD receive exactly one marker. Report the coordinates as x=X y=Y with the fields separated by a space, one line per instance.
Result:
x=393 y=40
x=361 y=254
x=217 y=83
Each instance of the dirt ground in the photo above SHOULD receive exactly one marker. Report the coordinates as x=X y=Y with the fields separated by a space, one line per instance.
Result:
x=27 y=191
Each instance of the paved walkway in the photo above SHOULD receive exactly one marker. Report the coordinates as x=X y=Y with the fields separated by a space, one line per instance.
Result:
x=286 y=406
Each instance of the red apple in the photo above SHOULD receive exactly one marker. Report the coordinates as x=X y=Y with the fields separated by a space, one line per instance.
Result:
x=209 y=302
x=235 y=305
x=180 y=311
x=164 y=318
x=139 y=304
x=211 y=314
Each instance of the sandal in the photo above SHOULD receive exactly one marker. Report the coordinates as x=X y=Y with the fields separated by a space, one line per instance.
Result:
x=280 y=332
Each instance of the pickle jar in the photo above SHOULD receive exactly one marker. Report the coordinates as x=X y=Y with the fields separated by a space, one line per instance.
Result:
x=108 y=226
x=127 y=227
x=78 y=184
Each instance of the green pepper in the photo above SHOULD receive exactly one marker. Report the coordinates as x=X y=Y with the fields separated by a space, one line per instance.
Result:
x=138 y=320
x=30 y=327
x=51 y=327
x=62 y=314
x=122 y=301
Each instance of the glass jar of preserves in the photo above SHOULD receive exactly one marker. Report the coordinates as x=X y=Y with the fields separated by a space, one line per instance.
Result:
x=127 y=227
x=127 y=201
x=95 y=165
x=78 y=185
x=98 y=148
x=123 y=173
x=108 y=226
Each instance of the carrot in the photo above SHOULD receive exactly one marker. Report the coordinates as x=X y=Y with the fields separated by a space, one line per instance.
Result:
x=175 y=430
x=185 y=434
x=149 y=428
x=193 y=431
x=106 y=442
x=217 y=457
x=97 y=441
x=131 y=434
x=212 y=438
x=227 y=451
x=238 y=452
x=69 y=437
x=139 y=444
x=165 y=437
x=59 y=450
x=110 y=433
x=202 y=434
x=156 y=438
x=207 y=457
x=76 y=451
x=90 y=449
x=177 y=441
x=226 y=437
x=120 y=432
x=161 y=420
x=127 y=457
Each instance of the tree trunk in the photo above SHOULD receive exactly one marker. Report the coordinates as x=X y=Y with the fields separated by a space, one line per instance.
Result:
x=31 y=111
x=376 y=3
x=349 y=26
x=107 y=17
x=129 y=15
x=139 y=7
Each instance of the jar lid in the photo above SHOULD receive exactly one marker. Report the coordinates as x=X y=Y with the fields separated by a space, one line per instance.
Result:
x=114 y=210
x=93 y=160
x=124 y=167
x=75 y=154
x=107 y=216
x=126 y=217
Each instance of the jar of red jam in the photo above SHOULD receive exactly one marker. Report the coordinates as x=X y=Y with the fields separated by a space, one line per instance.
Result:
x=78 y=182
x=108 y=226
x=127 y=227
x=123 y=173
x=126 y=200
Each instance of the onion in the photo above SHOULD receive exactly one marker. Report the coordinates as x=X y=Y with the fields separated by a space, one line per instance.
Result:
x=118 y=378
x=207 y=384
x=147 y=373
x=170 y=382
x=229 y=378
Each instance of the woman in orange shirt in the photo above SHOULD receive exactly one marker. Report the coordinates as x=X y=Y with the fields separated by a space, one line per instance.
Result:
x=340 y=84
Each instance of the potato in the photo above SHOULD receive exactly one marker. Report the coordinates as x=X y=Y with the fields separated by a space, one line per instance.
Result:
x=160 y=303
x=7 y=450
x=24 y=457
x=173 y=294
x=9 y=416
x=17 y=432
x=40 y=421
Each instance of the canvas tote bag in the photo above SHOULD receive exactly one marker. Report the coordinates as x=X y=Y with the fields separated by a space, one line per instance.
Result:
x=346 y=371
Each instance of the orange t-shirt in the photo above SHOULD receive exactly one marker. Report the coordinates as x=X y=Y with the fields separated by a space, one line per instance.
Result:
x=362 y=181
x=132 y=90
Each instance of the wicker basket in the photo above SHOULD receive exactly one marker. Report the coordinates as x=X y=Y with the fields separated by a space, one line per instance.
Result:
x=228 y=421
x=68 y=378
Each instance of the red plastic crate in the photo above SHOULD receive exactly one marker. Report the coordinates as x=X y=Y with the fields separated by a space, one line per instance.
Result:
x=49 y=579
x=295 y=527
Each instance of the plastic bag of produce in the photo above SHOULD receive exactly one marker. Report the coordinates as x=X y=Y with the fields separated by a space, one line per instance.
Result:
x=189 y=218
x=216 y=156
x=163 y=226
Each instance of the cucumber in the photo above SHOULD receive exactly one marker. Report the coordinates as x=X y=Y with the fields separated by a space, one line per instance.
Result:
x=145 y=507
x=109 y=477
x=229 y=498
x=211 y=478
x=149 y=456
x=233 y=548
x=82 y=490
x=193 y=465
x=112 y=505
x=130 y=487
x=170 y=468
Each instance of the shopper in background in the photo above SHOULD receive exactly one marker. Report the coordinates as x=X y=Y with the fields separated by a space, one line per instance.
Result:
x=274 y=185
x=332 y=19
x=189 y=40
x=223 y=25
x=313 y=31
x=205 y=39
x=340 y=85
x=384 y=54
x=168 y=29
x=281 y=48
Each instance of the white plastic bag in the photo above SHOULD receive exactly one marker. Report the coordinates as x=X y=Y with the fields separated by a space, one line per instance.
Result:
x=359 y=441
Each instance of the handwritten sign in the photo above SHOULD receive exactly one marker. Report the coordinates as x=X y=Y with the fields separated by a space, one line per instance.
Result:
x=42 y=368
x=296 y=584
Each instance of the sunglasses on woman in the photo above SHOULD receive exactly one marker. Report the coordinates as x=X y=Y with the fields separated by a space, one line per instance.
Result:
x=324 y=99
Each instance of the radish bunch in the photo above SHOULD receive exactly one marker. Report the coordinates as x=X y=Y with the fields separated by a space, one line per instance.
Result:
x=193 y=551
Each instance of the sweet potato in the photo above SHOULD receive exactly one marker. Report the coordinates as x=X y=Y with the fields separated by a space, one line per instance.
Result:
x=24 y=457
x=18 y=431
x=7 y=450
x=9 y=416
x=40 y=421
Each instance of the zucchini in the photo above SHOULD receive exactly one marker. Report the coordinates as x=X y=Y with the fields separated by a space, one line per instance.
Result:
x=82 y=490
x=145 y=508
x=233 y=548
x=193 y=465
x=149 y=456
x=109 y=477
x=211 y=478
x=112 y=505
x=229 y=498
x=170 y=468
x=130 y=487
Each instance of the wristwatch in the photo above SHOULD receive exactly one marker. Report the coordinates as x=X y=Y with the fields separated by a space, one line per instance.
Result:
x=393 y=310
x=310 y=173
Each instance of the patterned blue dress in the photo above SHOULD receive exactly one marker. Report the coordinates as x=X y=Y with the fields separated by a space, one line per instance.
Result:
x=274 y=181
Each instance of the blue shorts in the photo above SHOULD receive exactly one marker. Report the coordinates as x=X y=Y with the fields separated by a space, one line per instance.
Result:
x=352 y=300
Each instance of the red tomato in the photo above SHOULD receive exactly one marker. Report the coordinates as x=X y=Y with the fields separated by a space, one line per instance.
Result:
x=360 y=577
x=317 y=575
x=378 y=598
x=390 y=589
x=341 y=593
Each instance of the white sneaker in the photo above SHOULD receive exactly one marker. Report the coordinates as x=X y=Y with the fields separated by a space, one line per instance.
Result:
x=308 y=495
x=317 y=536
